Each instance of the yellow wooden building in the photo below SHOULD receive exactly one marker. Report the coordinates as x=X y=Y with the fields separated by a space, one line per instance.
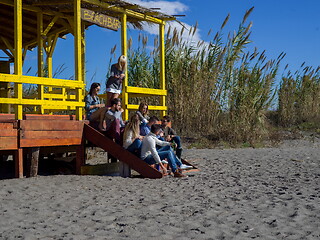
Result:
x=26 y=24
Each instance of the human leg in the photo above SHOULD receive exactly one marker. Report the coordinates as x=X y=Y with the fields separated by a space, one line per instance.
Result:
x=114 y=131
x=150 y=160
x=135 y=147
x=95 y=116
x=177 y=140
x=169 y=155
x=164 y=148
x=169 y=148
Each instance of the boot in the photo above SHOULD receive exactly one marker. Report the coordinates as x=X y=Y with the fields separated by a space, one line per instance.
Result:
x=179 y=152
x=178 y=174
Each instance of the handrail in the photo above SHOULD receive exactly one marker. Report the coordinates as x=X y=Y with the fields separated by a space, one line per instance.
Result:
x=50 y=101
x=41 y=80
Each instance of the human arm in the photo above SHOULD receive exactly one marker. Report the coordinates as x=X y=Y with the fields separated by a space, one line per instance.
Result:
x=127 y=141
x=171 y=133
x=90 y=103
x=116 y=73
x=142 y=118
x=122 y=123
x=163 y=168
x=161 y=143
x=110 y=116
x=155 y=154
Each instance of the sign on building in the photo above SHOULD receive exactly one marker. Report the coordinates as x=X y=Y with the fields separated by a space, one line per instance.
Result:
x=101 y=20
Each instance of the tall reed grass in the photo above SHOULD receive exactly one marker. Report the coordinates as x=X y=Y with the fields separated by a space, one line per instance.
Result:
x=299 y=98
x=216 y=89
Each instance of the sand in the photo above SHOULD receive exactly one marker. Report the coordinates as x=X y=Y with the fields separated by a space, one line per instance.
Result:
x=266 y=193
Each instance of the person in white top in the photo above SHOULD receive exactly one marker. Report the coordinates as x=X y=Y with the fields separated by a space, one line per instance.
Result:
x=132 y=140
x=150 y=155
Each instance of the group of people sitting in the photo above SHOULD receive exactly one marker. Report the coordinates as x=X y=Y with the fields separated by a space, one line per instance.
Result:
x=141 y=135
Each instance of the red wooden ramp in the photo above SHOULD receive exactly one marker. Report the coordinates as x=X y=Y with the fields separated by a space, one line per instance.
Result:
x=120 y=153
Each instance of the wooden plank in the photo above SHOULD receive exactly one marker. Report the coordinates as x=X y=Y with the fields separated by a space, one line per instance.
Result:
x=80 y=157
x=9 y=125
x=4 y=116
x=101 y=169
x=8 y=143
x=49 y=142
x=8 y=132
x=57 y=125
x=48 y=117
x=7 y=118
x=34 y=161
x=49 y=134
x=18 y=161
x=120 y=153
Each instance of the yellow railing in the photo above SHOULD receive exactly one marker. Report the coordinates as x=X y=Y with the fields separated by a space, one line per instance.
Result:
x=142 y=92
x=58 y=101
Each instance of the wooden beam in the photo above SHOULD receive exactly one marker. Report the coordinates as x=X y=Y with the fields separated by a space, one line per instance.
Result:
x=8 y=45
x=18 y=162
x=124 y=51
x=34 y=9
x=162 y=67
x=34 y=161
x=18 y=54
x=78 y=53
x=50 y=25
x=10 y=55
x=129 y=12
x=40 y=58
x=51 y=2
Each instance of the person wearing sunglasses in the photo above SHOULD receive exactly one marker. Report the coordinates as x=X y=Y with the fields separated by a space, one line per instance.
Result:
x=170 y=135
x=93 y=105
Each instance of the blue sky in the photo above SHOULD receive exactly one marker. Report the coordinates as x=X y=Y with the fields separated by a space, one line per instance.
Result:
x=290 y=26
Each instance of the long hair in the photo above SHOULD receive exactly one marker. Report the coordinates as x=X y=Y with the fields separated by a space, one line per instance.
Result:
x=122 y=63
x=134 y=126
x=93 y=86
x=143 y=104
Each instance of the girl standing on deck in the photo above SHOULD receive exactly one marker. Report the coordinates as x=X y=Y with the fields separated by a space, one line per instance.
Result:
x=113 y=86
x=114 y=83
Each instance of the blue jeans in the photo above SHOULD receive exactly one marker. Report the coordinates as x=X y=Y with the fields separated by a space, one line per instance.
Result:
x=169 y=148
x=177 y=140
x=135 y=147
x=169 y=155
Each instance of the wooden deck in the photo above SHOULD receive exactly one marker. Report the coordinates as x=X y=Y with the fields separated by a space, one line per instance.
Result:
x=18 y=137
x=37 y=131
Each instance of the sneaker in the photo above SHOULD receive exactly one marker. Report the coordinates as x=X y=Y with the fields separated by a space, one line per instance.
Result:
x=178 y=174
x=185 y=167
x=164 y=162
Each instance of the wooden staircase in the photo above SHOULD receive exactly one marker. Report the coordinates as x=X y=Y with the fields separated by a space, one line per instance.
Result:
x=119 y=152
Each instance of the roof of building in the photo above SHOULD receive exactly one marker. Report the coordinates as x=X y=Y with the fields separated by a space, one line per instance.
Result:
x=61 y=13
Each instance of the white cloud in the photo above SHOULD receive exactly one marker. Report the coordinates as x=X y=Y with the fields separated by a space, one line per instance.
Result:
x=166 y=7
x=170 y=8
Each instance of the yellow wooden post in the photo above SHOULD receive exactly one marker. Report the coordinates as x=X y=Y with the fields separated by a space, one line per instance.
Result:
x=18 y=54
x=51 y=44
x=40 y=58
x=162 y=67
x=78 y=53
x=125 y=96
x=83 y=53
x=4 y=87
